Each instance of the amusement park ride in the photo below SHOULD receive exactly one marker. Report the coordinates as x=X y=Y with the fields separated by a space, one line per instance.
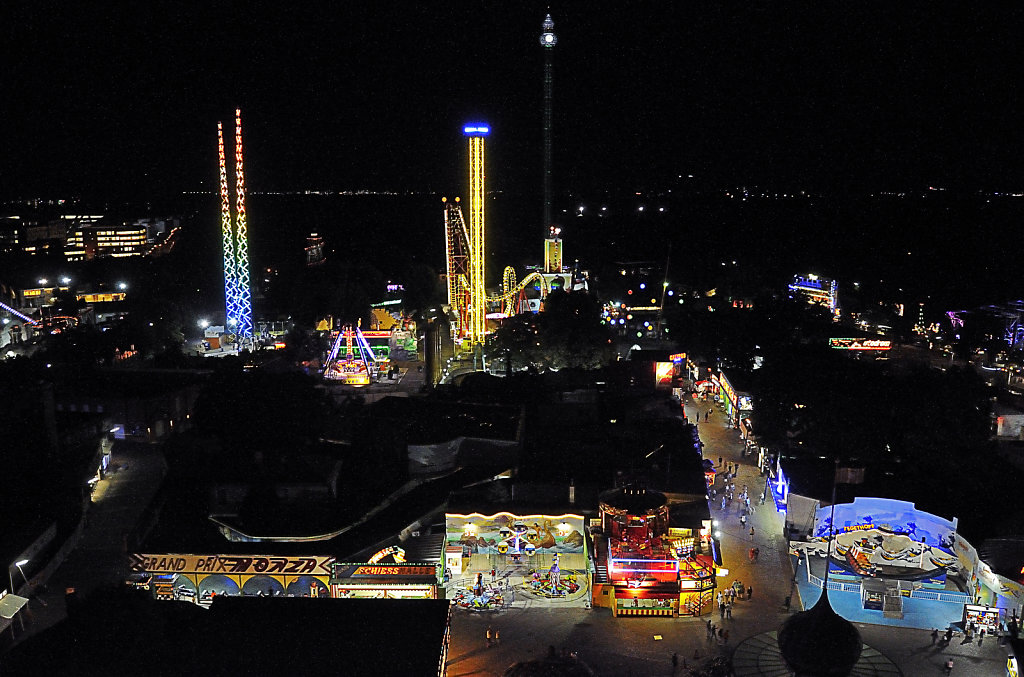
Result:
x=352 y=360
x=235 y=240
x=15 y=330
x=465 y=254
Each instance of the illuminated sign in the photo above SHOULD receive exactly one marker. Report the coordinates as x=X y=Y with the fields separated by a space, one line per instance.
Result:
x=663 y=373
x=859 y=527
x=394 y=570
x=677 y=357
x=230 y=564
x=859 y=344
x=420 y=571
x=730 y=394
x=395 y=551
x=476 y=128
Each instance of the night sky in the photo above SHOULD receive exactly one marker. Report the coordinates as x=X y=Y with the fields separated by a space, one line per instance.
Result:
x=372 y=95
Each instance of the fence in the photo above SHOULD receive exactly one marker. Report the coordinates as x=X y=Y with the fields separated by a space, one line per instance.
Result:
x=935 y=596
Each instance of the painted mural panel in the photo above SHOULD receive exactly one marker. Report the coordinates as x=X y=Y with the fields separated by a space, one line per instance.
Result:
x=886 y=538
x=505 y=533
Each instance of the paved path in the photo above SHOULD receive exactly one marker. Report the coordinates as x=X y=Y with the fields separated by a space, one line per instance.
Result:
x=98 y=560
x=627 y=646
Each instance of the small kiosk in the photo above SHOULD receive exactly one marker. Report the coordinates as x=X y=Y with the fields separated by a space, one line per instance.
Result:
x=982 y=617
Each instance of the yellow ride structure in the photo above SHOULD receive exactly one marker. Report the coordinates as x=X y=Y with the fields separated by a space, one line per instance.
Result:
x=465 y=250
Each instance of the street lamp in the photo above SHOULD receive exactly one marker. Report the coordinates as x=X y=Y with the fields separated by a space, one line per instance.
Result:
x=122 y=285
x=10 y=576
x=204 y=323
x=65 y=280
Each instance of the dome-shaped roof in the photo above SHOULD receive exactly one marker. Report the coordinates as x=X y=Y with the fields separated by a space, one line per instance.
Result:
x=634 y=500
x=819 y=642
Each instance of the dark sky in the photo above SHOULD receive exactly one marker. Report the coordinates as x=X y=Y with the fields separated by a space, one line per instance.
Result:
x=348 y=95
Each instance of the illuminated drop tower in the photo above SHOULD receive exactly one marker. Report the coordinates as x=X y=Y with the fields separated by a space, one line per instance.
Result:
x=227 y=238
x=476 y=133
x=244 y=328
x=548 y=40
x=235 y=239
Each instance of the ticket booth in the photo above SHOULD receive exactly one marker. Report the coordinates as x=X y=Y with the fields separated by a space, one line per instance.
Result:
x=453 y=556
x=385 y=581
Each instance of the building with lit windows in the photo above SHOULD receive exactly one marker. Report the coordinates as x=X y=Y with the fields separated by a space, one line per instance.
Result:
x=85 y=243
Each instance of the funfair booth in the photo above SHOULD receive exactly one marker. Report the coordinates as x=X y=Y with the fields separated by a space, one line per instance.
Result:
x=397 y=580
x=645 y=567
x=200 y=578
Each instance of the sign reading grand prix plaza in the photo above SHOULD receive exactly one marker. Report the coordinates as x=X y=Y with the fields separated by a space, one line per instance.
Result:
x=859 y=344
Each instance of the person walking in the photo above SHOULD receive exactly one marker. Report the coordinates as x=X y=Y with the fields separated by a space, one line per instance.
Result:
x=721 y=611
x=743 y=520
x=751 y=533
x=949 y=666
x=750 y=591
x=728 y=610
x=488 y=637
x=497 y=636
x=935 y=636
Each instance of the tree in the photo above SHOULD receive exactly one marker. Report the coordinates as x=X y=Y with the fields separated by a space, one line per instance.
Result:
x=567 y=334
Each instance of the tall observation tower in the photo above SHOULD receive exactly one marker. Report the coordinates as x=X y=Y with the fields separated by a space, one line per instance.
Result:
x=548 y=40
x=476 y=132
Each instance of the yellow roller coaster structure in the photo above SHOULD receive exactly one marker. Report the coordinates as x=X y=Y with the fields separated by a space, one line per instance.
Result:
x=512 y=298
x=513 y=293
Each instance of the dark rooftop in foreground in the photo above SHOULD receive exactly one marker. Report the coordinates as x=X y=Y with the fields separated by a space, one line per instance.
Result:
x=239 y=636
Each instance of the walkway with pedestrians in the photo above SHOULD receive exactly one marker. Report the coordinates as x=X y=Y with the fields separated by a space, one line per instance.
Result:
x=773 y=577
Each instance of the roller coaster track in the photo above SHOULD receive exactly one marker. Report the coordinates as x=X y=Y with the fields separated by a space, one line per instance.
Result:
x=511 y=291
x=14 y=312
